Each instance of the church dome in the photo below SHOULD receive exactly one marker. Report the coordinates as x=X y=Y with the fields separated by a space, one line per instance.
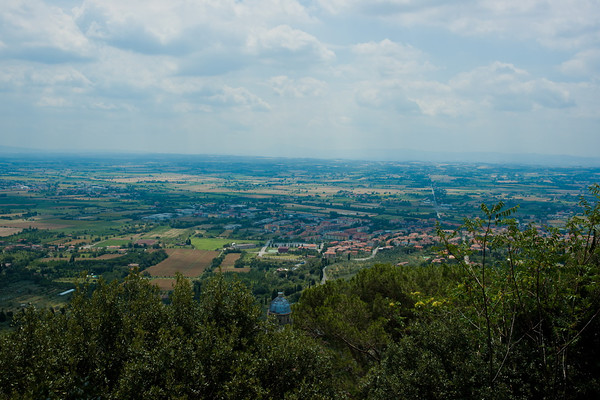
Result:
x=280 y=305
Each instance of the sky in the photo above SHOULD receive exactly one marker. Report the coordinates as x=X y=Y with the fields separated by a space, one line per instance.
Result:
x=301 y=78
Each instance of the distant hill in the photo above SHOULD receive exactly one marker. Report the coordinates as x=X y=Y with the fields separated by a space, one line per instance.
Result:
x=19 y=150
x=479 y=157
x=555 y=160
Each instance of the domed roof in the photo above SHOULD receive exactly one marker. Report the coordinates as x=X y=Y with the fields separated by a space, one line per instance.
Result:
x=280 y=305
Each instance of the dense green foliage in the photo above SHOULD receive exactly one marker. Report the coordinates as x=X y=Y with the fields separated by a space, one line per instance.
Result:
x=111 y=268
x=515 y=315
x=266 y=278
x=123 y=342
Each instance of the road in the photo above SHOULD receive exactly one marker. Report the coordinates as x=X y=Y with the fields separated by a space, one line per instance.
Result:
x=264 y=249
x=373 y=254
x=324 y=279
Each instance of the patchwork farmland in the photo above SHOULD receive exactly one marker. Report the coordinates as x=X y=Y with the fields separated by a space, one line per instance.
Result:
x=189 y=262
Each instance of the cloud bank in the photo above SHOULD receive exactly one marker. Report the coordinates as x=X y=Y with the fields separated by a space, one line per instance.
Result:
x=327 y=78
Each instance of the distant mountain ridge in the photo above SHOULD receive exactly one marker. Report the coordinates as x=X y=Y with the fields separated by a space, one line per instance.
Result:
x=487 y=157
x=374 y=155
x=18 y=150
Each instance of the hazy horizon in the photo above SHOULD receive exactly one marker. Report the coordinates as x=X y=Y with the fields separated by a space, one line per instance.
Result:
x=357 y=79
x=403 y=155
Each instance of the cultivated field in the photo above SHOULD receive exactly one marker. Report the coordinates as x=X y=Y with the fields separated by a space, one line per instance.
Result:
x=215 y=243
x=17 y=295
x=164 y=284
x=233 y=269
x=5 y=231
x=282 y=257
x=230 y=259
x=109 y=256
x=189 y=262
x=112 y=242
x=34 y=224
x=167 y=233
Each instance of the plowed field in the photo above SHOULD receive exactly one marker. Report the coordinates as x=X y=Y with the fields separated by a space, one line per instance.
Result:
x=230 y=259
x=189 y=262
x=6 y=231
x=164 y=283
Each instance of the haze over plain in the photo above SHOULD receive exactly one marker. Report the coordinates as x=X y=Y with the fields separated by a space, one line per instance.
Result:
x=320 y=78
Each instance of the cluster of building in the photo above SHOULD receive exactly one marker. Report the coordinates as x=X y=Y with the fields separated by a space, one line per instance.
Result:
x=348 y=248
x=332 y=235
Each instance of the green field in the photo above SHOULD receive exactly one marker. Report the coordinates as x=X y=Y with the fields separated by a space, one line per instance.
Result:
x=112 y=242
x=215 y=243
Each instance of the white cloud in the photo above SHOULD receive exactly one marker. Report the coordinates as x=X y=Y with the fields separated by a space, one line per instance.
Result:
x=386 y=96
x=505 y=87
x=122 y=70
x=390 y=58
x=51 y=101
x=33 y=78
x=104 y=106
x=299 y=88
x=345 y=71
x=497 y=75
x=392 y=77
x=60 y=77
x=438 y=99
x=186 y=108
x=41 y=32
x=158 y=26
x=387 y=48
x=498 y=87
x=240 y=97
x=554 y=23
x=584 y=64
x=284 y=43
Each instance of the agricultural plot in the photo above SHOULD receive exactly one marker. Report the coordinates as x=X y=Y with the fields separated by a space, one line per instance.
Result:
x=214 y=243
x=18 y=295
x=188 y=262
x=112 y=242
x=34 y=224
x=168 y=233
x=228 y=264
x=6 y=231
x=108 y=256
x=233 y=269
x=164 y=284
x=282 y=257
x=230 y=259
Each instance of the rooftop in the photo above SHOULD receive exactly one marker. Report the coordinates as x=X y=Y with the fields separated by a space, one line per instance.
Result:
x=280 y=305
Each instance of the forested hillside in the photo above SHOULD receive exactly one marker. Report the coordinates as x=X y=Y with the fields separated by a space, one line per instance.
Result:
x=512 y=313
